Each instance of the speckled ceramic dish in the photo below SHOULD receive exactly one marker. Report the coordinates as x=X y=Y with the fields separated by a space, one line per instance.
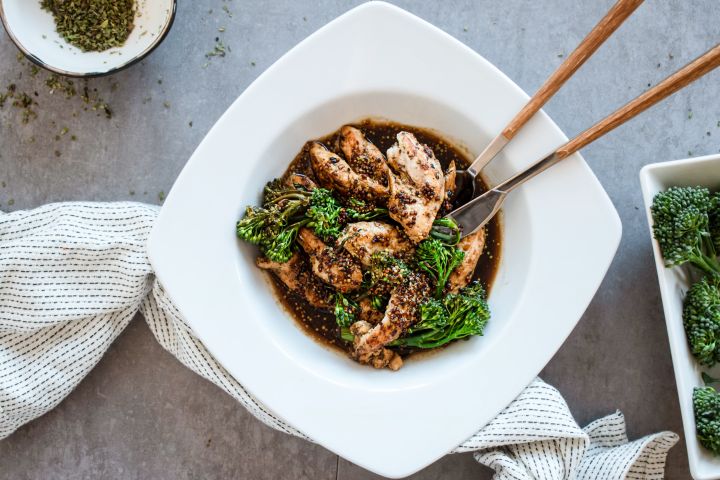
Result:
x=32 y=29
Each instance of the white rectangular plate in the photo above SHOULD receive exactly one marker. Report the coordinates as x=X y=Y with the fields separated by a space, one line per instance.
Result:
x=674 y=282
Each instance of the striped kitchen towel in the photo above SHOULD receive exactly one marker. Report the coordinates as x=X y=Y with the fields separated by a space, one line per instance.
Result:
x=73 y=275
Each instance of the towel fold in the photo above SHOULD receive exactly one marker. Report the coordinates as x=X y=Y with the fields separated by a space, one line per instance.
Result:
x=73 y=275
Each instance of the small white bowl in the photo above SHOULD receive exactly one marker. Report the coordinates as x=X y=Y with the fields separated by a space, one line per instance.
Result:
x=674 y=282
x=32 y=29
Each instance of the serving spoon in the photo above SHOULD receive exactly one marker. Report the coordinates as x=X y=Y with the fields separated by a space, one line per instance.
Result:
x=465 y=180
x=476 y=213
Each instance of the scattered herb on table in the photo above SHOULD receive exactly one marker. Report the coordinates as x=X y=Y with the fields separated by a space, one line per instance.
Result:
x=22 y=101
x=219 y=50
x=92 y=25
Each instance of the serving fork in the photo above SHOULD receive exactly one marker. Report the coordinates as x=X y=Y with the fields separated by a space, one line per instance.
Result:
x=465 y=180
x=478 y=211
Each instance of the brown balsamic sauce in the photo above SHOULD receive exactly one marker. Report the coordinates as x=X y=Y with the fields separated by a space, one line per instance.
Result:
x=321 y=324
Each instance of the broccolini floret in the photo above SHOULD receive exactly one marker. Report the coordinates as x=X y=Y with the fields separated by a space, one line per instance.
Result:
x=445 y=230
x=453 y=317
x=345 y=310
x=274 y=226
x=715 y=221
x=681 y=225
x=701 y=318
x=438 y=260
x=323 y=214
x=706 y=405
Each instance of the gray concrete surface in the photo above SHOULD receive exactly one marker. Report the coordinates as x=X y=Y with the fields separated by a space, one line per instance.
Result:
x=140 y=414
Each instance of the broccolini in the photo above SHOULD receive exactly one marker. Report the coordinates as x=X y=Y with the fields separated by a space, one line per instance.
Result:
x=701 y=319
x=438 y=260
x=453 y=317
x=274 y=226
x=706 y=405
x=682 y=227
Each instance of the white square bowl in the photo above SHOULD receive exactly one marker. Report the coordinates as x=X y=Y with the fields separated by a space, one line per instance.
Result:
x=378 y=60
x=674 y=282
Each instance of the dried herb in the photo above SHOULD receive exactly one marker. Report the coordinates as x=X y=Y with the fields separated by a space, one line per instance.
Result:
x=20 y=100
x=220 y=50
x=56 y=83
x=92 y=25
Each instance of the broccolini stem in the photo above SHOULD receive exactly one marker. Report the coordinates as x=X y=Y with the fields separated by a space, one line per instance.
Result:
x=708 y=264
x=445 y=230
x=346 y=335
x=291 y=195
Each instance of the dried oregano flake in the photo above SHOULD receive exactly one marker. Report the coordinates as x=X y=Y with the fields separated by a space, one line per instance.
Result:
x=92 y=25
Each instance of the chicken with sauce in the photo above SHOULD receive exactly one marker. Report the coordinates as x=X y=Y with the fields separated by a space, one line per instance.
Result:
x=349 y=233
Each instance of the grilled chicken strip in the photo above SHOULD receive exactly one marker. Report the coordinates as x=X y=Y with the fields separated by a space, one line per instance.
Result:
x=401 y=312
x=334 y=173
x=383 y=357
x=362 y=239
x=417 y=186
x=473 y=246
x=333 y=266
x=368 y=313
x=450 y=175
x=296 y=275
x=362 y=155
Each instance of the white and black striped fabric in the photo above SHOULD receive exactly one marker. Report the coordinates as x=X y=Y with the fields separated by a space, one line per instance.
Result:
x=73 y=275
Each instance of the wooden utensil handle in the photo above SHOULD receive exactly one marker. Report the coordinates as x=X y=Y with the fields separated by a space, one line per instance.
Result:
x=688 y=74
x=614 y=18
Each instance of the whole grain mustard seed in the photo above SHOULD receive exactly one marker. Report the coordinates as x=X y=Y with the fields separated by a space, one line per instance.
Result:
x=92 y=25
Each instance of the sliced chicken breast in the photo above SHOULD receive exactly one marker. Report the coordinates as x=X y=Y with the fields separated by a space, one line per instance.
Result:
x=473 y=246
x=333 y=172
x=417 y=186
x=333 y=266
x=295 y=274
x=368 y=313
x=362 y=239
x=401 y=312
x=362 y=155
x=450 y=175
x=384 y=357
